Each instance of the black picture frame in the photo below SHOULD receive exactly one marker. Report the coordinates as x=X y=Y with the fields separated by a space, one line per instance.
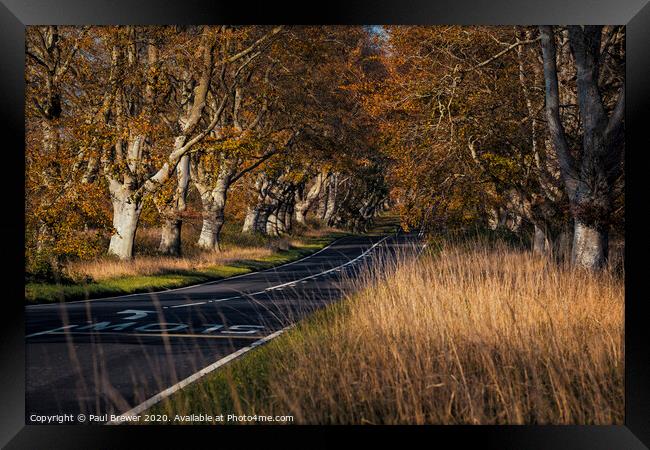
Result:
x=635 y=14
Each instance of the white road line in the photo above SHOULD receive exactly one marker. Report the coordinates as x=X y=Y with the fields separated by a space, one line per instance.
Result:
x=195 y=376
x=290 y=283
x=171 y=335
x=50 y=331
x=188 y=304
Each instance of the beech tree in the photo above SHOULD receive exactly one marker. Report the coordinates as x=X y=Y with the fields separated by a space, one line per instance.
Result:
x=307 y=195
x=126 y=163
x=515 y=129
x=589 y=174
x=212 y=166
x=51 y=52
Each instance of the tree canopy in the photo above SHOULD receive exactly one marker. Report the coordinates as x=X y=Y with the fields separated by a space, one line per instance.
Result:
x=453 y=127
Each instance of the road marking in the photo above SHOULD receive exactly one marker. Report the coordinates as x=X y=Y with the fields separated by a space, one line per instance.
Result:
x=53 y=331
x=279 y=287
x=137 y=314
x=162 y=326
x=174 y=335
x=189 y=304
x=195 y=376
x=329 y=272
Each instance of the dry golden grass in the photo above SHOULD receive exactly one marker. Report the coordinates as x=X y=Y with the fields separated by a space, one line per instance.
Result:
x=107 y=268
x=237 y=246
x=473 y=334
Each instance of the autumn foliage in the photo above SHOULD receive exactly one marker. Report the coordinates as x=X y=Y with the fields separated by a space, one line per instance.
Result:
x=152 y=126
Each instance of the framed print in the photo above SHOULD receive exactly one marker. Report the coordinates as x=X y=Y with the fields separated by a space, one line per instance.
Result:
x=395 y=221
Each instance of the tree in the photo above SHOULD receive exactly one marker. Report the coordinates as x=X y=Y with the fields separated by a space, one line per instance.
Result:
x=51 y=52
x=307 y=197
x=238 y=48
x=590 y=174
x=125 y=162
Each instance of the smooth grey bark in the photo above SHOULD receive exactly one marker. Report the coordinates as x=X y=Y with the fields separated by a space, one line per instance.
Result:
x=541 y=245
x=126 y=214
x=288 y=218
x=251 y=218
x=170 y=238
x=303 y=205
x=590 y=246
x=273 y=225
x=273 y=199
x=332 y=193
x=251 y=223
x=322 y=203
x=190 y=114
x=263 y=214
x=279 y=221
x=129 y=150
x=588 y=181
x=301 y=216
x=213 y=204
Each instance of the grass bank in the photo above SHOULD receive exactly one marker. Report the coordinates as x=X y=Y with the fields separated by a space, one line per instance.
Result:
x=475 y=333
x=106 y=277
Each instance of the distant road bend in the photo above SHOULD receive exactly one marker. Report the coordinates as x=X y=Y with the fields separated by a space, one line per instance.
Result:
x=106 y=356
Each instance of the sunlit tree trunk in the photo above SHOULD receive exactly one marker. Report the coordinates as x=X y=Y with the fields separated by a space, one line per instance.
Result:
x=251 y=217
x=213 y=204
x=302 y=206
x=126 y=214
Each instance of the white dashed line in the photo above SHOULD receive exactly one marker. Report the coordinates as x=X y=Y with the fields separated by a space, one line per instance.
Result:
x=279 y=287
x=188 y=304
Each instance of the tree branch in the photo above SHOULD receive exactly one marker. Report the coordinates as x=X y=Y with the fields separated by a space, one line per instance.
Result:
x=555 y=127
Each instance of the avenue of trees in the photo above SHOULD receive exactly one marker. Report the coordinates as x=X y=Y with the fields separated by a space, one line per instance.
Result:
x=503 y=127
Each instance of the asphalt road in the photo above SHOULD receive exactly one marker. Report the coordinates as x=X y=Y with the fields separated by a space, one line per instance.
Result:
x=108 y=355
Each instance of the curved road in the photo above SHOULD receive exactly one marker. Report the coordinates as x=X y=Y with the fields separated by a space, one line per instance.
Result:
x=109 y=355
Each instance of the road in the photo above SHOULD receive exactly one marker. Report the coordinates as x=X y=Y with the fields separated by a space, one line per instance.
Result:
x=106 y=356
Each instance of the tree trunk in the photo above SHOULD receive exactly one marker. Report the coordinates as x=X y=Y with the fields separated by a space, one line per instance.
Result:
x=281 y=219
x=588 y=180
x=126 y=213
x=540 y=241
x=263 y=213
x=590 y=246
x=303 y=205
x=213 y=204
x=170 y=238
x=251 y=218
x=272 y=225
x=322 y=205
x=562 y=248
x=331 y=200
x=210 y=230
x=288 y=217
x=300 y=215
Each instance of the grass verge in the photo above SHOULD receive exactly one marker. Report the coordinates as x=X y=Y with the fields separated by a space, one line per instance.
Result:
x=152 y=274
